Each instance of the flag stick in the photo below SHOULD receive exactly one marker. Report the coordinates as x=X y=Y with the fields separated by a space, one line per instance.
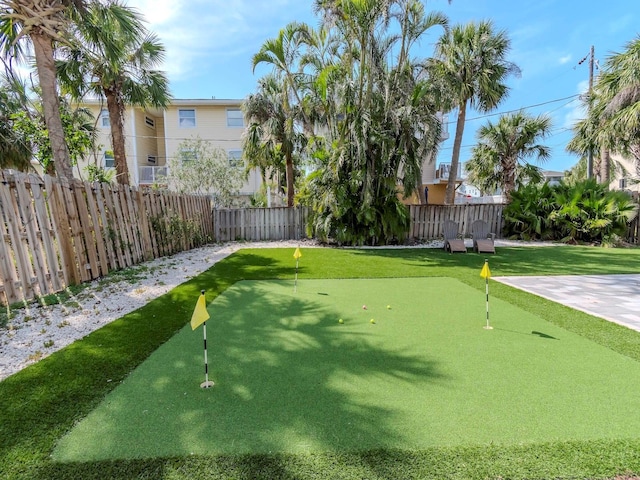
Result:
x=206 y=383
x=486 y=279
x=297 y=254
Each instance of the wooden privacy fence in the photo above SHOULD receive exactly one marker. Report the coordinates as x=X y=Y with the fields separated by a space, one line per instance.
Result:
x=427 y=220
x=55 y=232
x=633 y=232
x=284 y=223
x=280 y=223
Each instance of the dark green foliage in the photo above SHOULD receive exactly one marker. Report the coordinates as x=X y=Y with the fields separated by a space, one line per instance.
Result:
x=15 y=151
x=78 y=125
x=356 y=196
x=500 y=159
x=172 y=233
x=589 y=212
x=585 y=212
x=353 y=98
x=526 y=217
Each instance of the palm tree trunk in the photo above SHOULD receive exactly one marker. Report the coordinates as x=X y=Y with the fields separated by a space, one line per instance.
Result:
x=449 y=196
x=43 y=50
x=116 y=115
x=509 y=173
x=605 y=166
x=289 y=171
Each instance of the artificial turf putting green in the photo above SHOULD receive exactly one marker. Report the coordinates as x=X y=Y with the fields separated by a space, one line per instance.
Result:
x=290 y=378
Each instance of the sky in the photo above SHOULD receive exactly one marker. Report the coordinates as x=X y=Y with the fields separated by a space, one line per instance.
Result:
x=209 y=45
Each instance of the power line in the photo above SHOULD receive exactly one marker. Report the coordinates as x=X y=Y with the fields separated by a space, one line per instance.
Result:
x=572 y=97
x=553 y=133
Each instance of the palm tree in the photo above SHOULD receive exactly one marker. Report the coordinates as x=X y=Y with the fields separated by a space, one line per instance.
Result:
x=613 y=106
x=589 y=136
x=271 y=135
x=619 y=98
x=115 y=58
x=499 y=160
x=283 y=53
x=44 y=22
x=470 y=64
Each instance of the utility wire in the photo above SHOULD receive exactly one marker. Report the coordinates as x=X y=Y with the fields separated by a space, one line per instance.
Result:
x=452 y=122
x=572 y=97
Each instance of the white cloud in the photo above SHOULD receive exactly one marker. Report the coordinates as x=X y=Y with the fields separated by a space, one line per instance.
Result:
x=202 y=30
x=576 y=109
x=565 y=59
x=582 y=87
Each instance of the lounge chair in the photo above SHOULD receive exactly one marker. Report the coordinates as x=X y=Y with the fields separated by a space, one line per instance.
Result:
x=452 y=240
x=482 y=238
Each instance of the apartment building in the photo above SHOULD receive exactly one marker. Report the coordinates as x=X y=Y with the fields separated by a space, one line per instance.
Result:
x=153 y=137
x=625 y=176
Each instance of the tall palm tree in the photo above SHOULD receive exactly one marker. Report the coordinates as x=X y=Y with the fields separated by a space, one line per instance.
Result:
x=470 y=63
x=44 y=22
x=500 y=157
x=271 y=135
x=115 y=58
x=283 y=53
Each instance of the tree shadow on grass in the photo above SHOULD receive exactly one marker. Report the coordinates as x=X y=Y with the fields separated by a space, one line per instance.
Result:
x=288 y=378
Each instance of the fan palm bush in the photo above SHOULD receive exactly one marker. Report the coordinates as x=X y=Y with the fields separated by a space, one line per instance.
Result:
x=585 y=212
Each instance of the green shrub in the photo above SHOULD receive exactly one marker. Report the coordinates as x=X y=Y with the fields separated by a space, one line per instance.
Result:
x=585 y=212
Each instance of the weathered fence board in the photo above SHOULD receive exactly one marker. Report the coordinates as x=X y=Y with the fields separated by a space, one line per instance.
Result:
x=55 y=233
x=427 y=220
x=254 y=224
x=633 y=233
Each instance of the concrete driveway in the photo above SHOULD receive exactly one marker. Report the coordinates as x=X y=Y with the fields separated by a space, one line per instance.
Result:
x=613 y=297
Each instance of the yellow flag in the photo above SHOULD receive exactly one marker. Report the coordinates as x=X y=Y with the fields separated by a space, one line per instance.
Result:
x=485 y=273
x=297 y=254
x=200 y=314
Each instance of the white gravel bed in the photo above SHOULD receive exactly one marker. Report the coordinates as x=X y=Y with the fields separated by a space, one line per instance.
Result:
x=36 y=331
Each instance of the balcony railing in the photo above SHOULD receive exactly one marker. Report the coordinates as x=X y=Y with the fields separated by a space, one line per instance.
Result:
x=151 y=175
x=442 y=172
x=444 y=134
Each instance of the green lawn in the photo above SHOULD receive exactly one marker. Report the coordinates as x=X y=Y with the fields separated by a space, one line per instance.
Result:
x=570 y=405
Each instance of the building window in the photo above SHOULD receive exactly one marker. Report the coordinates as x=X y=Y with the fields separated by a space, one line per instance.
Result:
x=235 y=118
x=188 y=156
x=150 y=122
x=104 y=118
x=235 y=158
x=108 y=159
x=187 y=118
x=622 y=183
